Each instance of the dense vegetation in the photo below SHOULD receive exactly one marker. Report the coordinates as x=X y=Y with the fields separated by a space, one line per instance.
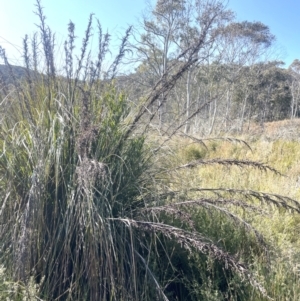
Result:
x=106 y=193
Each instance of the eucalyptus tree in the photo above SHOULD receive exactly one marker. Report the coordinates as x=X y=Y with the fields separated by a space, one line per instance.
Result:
x=273 y=95
x=191 y=30
x=166 y=38
x=221 y=70
x=294 y=71
x=155 y=47
x=241 y=45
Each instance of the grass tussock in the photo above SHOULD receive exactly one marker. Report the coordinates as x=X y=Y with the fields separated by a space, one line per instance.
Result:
x=92 y=209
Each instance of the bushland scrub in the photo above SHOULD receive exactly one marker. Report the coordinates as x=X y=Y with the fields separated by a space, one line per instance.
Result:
x=95 y=207
x=278 y=146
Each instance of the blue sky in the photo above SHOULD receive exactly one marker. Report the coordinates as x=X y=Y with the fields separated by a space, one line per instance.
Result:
x=282 y=17
x=17 y=19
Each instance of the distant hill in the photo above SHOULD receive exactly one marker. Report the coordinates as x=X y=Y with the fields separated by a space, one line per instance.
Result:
x=5 y=73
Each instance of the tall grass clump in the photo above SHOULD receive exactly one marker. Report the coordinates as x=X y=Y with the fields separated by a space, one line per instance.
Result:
x=86 y=211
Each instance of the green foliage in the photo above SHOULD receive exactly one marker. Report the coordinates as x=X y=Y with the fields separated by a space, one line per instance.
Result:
x=196 y=276
x=12 y=291
x=194 y=152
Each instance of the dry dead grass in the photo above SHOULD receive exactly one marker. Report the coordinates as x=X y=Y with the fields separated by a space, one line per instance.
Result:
x=283 y=129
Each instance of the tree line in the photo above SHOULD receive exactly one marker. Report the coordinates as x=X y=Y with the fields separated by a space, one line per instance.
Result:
x=234 y=81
